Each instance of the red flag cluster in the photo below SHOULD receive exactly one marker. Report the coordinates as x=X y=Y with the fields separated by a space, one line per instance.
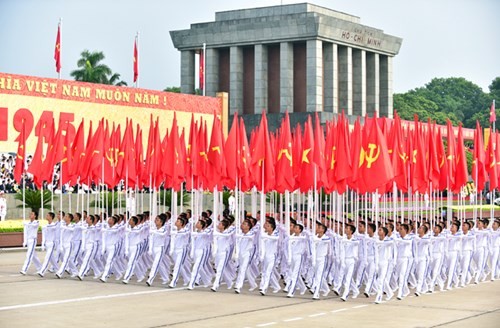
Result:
x=370 y=157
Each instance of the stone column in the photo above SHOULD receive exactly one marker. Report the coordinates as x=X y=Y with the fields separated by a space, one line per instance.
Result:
x=330 y=77
x=386 y=105
x=372 y=82
x=359 y=82
x=260 y=85
x=314 y=75
x=187 y=71
x=286 y=77
x=235 y=80
x=345 y=79
x=211 y=72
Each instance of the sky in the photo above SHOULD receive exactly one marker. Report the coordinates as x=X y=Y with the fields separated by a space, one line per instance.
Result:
x=441 y=38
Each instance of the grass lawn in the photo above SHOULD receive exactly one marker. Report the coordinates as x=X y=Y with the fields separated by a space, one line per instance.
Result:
x=17 y=225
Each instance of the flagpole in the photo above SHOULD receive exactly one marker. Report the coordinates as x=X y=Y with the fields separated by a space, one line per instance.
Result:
x=60 y=28
x=495 y=114
x=204 y=65
x=137 y=49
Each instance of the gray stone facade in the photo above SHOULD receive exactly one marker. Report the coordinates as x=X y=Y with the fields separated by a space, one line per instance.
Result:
x=340 y=63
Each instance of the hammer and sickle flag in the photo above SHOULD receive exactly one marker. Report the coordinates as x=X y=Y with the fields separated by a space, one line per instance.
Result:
x=375 y=164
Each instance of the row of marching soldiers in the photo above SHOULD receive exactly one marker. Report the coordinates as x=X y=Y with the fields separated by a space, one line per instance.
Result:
x=320 y=256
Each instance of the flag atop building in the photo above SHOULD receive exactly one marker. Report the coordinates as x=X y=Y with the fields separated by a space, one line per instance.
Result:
x=136 y=60
x=57 y=50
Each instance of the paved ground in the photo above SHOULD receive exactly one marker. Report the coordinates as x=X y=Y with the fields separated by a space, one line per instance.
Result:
x=30 y=301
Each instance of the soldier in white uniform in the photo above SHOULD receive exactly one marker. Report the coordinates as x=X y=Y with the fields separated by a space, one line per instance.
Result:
x=268 y=256
x=349 y=256
x=404 y=260
x=200 y=250
x=454 y=248
x=30 y=239
x=468 y=248
x=422 y=255
x=246 y=251
x=495 y=249
x=50 y=243
x=157 y=245
x=321 y=251
x=298 y=245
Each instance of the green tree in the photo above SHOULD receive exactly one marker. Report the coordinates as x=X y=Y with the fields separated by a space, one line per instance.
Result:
x=91 y=69
x=411 y=103
x=173 y=89
x=454 y=98
x=495 y=89
x=33 y=199
x=198 y=92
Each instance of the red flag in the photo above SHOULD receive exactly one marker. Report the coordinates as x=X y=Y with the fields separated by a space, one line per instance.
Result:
x=136 y=61
x=452 y=155
x=375 y=164
x=419 y=176
x=35 y=167
x=491 y=163
x=202 y=70
x=462 y=175
x=217 y=167
x=111 y=153
x=232 y=153
x=68 y=155
x=343 y=159
x=174 y=168
x=57 y=50
x=330 y=155
x=127 y=156
x=192 y=156
x=496 y=135
x=21 y=154
x=478 y=164
x=94 y=155
x=149 y=166
x=443 y=162
x=285 y=181
x=55 y=152
x=244 y=160
x=80 y=166
x=399 y=155
x=139 y=156
x=493 y=115
x=434 y=170
x=77 y=153
x=355 y=181
x=202 y=155
x=319 y=153
x=262 y=158
x=308 y=167
x=297 y=154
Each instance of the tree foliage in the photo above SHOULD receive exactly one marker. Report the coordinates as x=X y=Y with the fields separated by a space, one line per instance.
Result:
x=173 y=89
x=91 y=69
x=454 y=98
x=33 y=199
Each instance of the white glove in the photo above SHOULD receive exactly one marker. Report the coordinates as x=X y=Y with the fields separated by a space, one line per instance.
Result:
x=150 y=253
